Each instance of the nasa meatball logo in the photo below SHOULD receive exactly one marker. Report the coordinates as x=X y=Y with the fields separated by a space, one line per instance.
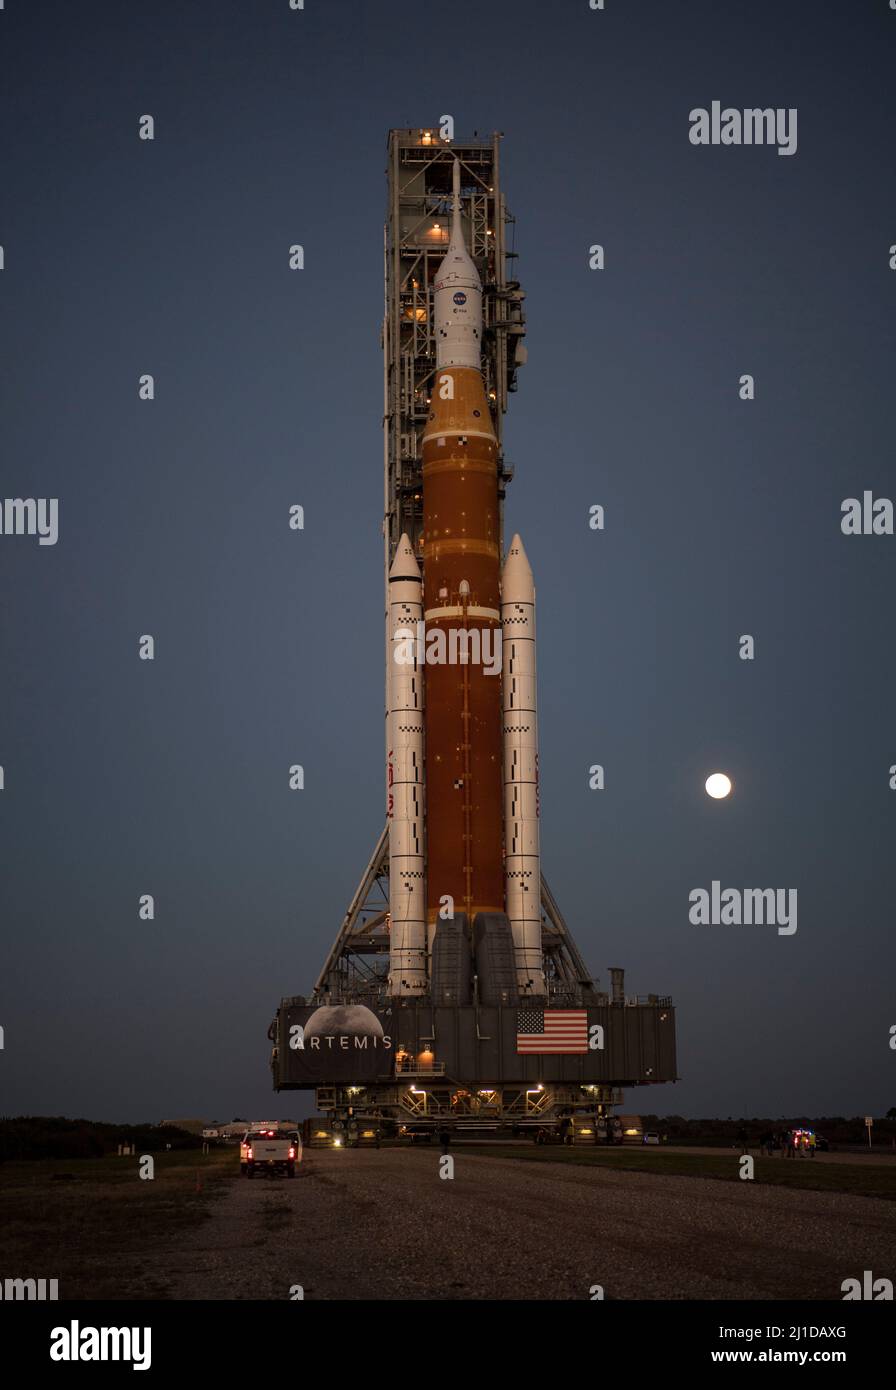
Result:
x=460 y=297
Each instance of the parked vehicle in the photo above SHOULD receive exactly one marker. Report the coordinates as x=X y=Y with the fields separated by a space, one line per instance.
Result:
x=270 y=1151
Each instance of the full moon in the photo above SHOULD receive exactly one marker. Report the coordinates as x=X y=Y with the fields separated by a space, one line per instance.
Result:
x=718 y=785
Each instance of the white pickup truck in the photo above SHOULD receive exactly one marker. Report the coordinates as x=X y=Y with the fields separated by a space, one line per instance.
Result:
x=270 y=1151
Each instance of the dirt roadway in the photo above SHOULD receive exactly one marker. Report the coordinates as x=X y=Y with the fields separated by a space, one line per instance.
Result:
x=381 y=1224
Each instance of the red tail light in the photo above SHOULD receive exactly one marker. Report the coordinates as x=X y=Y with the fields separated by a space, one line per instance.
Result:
x=249 y=1153
x=292 y=1153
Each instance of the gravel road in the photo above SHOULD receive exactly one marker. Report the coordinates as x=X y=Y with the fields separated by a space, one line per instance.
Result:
x=381 y=1224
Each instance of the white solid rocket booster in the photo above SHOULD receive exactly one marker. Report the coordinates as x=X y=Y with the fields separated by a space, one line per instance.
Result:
x=405 y=774
x=522 y=862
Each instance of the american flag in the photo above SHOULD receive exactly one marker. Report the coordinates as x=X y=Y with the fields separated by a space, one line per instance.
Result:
x=557 y=1030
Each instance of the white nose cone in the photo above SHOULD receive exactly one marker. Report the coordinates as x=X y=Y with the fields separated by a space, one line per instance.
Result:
x=517 y=580
x=457 y=298
x=404 y=566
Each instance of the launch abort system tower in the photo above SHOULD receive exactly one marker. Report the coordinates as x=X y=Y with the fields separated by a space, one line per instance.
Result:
x=454 y=993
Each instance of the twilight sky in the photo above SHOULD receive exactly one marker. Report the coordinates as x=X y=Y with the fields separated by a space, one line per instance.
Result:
x=124 y=777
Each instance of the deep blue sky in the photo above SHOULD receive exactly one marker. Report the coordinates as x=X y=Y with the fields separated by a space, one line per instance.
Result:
x=123 y=777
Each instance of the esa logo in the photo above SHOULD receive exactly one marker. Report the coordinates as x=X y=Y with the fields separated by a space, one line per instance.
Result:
x=460 y=297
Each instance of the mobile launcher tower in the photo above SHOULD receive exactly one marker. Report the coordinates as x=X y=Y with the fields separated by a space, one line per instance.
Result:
x=454 y=993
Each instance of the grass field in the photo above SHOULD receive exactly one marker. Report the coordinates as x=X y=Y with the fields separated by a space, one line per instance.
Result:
x=863 y=1181
x=96 y=1225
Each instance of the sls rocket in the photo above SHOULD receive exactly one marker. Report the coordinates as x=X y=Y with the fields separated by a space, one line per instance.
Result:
x=465 y=878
